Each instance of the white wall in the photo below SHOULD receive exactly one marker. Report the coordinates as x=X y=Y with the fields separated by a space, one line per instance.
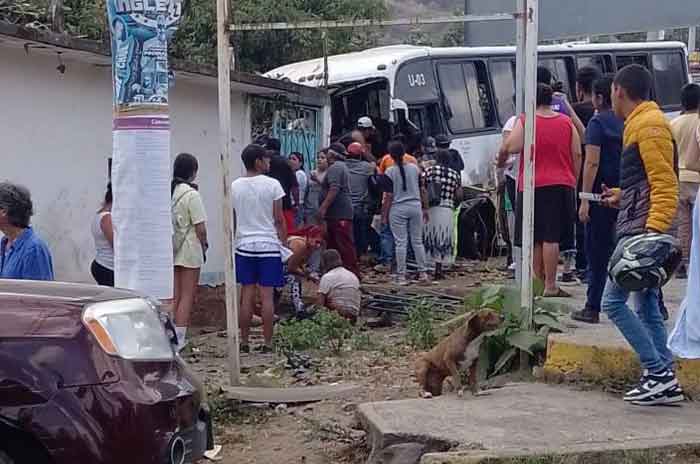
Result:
x=55 y=138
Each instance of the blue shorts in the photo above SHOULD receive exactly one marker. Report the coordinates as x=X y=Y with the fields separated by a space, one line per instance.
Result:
x=263 y=271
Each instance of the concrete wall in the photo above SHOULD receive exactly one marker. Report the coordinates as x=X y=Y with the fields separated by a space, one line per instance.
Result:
x=55 y=138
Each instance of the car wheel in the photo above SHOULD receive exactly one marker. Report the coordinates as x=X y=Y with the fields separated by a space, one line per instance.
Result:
x=5 y=458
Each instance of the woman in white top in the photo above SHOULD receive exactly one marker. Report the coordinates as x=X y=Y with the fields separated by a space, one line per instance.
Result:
x=102 y=268
x=189 y=239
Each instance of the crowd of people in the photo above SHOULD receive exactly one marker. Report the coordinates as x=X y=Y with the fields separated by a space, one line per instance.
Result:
x=610 y=170
x=613 y=177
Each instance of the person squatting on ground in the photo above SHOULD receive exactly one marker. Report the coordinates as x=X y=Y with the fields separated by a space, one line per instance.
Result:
x=102 y=267
x=260 y=232
x=23 y=254
x=600 y=168
x=444 y=186
x=647 y=200
x=558 y=152
x=189 y=240
x=339 y=289
x=403 y=209
x=336 y=208
x=686 y=133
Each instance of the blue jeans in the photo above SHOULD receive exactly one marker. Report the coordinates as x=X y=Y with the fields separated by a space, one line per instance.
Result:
x=645 y=330
x=386 y=241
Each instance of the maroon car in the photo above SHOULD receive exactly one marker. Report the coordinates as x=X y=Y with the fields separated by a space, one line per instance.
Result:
x=88 y=375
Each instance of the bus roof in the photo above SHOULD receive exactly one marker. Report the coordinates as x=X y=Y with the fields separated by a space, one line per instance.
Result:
x=383 y=62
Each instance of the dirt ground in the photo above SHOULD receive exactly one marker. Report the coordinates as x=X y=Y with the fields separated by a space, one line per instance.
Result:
x=327 y=431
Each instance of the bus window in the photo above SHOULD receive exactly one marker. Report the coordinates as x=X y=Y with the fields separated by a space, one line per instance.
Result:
x=466 y=96
x=669 y=77
x=601 y=62
x=503 y=78
x=427 y=119
x=624 y=60
x=561 y=72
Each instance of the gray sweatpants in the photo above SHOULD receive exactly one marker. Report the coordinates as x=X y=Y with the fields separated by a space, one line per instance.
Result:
x=406 y=221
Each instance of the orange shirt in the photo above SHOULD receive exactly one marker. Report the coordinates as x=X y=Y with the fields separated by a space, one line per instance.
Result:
x=388 y=162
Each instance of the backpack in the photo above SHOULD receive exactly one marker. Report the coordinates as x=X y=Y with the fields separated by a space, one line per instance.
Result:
x=180 y=232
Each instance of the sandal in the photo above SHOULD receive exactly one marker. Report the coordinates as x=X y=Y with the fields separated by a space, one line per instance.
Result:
x=559 y=294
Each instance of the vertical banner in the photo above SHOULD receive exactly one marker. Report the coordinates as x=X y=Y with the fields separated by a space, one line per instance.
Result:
x=140 y=30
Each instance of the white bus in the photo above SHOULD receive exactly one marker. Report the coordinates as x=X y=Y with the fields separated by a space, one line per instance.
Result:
x=467 y=93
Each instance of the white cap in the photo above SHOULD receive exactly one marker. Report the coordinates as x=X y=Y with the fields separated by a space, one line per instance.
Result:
x=365 y=123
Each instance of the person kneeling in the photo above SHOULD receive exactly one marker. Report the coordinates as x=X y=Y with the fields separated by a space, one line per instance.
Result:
x=339 y=289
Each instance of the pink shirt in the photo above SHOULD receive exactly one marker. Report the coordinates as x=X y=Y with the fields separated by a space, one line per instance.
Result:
x=554 y=162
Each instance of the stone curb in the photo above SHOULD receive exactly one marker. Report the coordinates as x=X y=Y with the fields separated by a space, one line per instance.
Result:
x=632 y=454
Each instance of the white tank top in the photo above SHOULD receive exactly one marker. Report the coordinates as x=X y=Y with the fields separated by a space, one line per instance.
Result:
x=104 y=252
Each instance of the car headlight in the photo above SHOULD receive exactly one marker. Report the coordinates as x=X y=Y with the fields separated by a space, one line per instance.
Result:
x=130 y=329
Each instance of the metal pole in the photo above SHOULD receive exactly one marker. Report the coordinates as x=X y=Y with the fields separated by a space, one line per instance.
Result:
x=225 y=58
x=692 y=39
x=530 y=65
x=370 y=22
x=324 y=36
x=520 y=23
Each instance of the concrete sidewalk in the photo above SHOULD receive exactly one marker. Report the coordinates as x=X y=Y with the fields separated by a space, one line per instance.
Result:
x=599 y=354
x=524 y=420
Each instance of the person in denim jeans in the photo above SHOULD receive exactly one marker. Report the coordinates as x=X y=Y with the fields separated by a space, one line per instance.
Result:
x=647 y=200
x=403 y=209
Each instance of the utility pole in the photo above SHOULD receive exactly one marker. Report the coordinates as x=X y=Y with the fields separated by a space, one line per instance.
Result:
x=692 y=39
x=225 y=56
x=531 y=13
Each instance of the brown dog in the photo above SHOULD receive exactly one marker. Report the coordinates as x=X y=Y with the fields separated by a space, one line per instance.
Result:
x=443 y=361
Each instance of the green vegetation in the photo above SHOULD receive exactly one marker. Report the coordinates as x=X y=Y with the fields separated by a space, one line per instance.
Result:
x=421 y=333
x=326 y=330
x=502 y=346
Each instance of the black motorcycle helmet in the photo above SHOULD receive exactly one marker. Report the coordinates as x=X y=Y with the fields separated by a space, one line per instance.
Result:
x=645 y=261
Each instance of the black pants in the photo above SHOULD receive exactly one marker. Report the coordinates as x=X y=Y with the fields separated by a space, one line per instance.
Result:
x=600 y=244
x=102 y=275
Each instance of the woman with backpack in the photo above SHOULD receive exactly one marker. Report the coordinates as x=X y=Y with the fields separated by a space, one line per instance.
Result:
x=189 y=239
x=444 y=186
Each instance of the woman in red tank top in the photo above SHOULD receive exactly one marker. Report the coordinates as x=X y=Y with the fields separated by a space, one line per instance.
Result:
x=557 y=165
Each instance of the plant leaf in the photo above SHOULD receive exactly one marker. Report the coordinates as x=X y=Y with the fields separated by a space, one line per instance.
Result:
x=504 y=360
x=491 y=292
x=537 y=287
x=527 y=341
x=474 y=300
x=549 y=321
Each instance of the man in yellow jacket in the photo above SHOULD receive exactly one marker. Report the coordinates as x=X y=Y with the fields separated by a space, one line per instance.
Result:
x=647 y=199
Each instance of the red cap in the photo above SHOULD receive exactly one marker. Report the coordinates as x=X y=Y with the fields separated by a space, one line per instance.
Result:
x=356 y=149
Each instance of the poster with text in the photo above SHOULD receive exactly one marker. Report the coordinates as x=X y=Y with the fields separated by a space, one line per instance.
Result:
x=141 y=212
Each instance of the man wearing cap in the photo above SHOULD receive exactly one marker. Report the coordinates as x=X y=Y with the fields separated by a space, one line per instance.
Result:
x=360 y=172
x=456 y=161
x=336 y=209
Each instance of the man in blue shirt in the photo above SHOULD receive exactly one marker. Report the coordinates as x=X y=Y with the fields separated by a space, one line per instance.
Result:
x=23 y=255
x=601 y=168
